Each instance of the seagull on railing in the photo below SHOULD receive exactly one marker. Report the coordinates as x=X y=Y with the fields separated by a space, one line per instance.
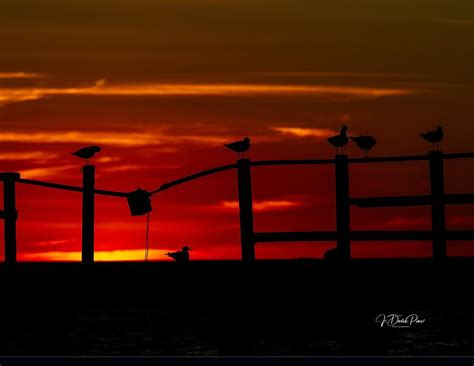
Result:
x=181 y=256
x=366 y=143
x=339 y=141
x=239 y=147
x=434 y=137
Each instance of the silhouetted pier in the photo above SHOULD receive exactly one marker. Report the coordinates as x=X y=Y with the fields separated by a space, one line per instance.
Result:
x=343 y=236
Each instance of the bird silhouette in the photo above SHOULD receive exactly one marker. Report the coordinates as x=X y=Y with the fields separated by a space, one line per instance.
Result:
x=339 y=141
x=366 y=143
x=434 y=137
x=181 y=256
x=239 y=147
x=331 y=255
x=87 y=153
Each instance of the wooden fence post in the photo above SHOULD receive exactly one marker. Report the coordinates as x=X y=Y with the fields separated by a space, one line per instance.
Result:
x=246 y=210
x=438 y=217
x=88 y=186
x=342 y=207
x=10 y=216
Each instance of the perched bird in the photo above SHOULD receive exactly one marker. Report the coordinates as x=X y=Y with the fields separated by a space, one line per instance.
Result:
x=87 y=153
x=434 y=137
x=331 y=255
x=366 y=143
x=239 y=146
x=180 y=256
x=339 y=141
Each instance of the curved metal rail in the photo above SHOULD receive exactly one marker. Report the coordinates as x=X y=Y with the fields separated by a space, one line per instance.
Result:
x=193 y=177
x=384 y=159
x=165 y=186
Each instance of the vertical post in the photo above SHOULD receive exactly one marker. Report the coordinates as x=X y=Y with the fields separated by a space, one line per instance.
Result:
x=246 y=210
x=88 y=183
x=438 y=217
x=342 y=207
x=10 y=216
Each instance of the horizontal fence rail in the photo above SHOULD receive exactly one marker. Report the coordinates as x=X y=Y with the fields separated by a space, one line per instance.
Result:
x=70 y=188
x=381 y=159
x=343 y=235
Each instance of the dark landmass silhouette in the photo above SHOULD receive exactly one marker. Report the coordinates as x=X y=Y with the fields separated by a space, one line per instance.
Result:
x=287 y=307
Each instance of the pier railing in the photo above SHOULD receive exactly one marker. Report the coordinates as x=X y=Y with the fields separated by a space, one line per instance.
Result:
x=343 y=235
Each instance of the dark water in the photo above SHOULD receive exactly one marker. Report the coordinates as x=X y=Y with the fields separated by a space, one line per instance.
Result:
x=278 y=309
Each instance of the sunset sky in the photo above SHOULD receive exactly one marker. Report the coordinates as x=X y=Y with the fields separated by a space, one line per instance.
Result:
x=162 y=85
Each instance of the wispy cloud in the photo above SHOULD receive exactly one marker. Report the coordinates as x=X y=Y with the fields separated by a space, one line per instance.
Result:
x=45 y=172
x=134 y=167
x=101 y=88
x=28 y=155
x=107 y=159
x=305 y=132
x=20 y=75
x=122 y=138
x=113 y=138
x=51 y=243
x=267 y=205
x=124 y=168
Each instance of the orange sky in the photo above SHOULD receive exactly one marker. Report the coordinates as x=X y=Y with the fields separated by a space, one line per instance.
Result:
x=162 y=85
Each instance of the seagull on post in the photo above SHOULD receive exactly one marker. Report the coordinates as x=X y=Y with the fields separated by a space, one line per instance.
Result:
x=434 y=137
x=87 y=153
x=339 y=141
x=239 y=147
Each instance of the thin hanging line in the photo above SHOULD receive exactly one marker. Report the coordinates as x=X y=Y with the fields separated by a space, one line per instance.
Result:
x=147 y=242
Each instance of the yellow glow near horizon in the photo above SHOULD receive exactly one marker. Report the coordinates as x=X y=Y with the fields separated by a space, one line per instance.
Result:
x=99 y=256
